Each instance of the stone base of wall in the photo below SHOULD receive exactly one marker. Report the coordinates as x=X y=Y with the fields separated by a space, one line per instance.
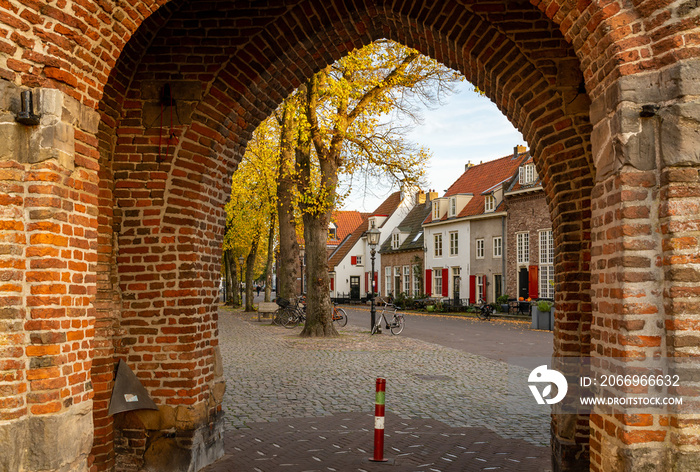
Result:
x=59 y=442
x=140 y=448
x=567 y=456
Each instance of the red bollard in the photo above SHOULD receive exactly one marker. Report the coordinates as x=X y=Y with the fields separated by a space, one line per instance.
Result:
x=379 y=422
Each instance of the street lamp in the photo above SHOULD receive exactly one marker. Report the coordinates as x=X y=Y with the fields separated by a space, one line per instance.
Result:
x=240 y=283
x=372 y=239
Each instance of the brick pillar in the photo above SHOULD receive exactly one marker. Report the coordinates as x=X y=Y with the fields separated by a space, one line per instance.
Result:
x=48 y=187
x=646 y=216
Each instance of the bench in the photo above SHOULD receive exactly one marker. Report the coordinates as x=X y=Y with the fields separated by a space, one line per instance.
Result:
x=266 y=308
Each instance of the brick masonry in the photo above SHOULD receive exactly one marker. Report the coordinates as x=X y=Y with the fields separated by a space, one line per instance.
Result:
x=112 y=227
x=527 y=212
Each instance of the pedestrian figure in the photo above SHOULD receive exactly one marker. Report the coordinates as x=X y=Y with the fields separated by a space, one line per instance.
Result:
x=258 y=288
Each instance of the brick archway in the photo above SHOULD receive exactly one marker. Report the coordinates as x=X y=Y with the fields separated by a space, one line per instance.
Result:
x=143 y=213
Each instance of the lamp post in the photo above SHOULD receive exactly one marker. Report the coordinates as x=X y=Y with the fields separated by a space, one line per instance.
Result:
x=240 y=282
x=372 y=239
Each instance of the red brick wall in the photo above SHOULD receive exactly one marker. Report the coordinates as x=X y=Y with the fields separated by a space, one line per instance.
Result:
x=148 y=292
x=526 y=213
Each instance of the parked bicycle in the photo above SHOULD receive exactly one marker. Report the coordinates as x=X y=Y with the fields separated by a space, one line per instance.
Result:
x=485 y=310
x=289 y=311
x=395 y=325
x=340 y=318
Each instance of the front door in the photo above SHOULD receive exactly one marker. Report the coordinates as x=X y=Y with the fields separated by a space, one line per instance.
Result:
x=354 y=287
x=523 y=285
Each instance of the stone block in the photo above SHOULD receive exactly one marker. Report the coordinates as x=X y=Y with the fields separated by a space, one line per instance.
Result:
x=218 y=363
x=60 y=442
x=680 y=134
x=13 y=437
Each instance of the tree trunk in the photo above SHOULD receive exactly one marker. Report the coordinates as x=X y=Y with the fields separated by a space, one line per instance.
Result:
x=249 y=268
x=319 y=322
x=288 y=245
x=270 y=258
x=230 y=271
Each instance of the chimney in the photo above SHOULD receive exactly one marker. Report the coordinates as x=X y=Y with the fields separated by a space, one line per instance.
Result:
x=468 y=165
x=432 y=195
x=420 y=197
x=519 y=149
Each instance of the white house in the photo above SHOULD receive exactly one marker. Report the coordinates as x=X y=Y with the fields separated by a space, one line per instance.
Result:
x=465 y=234
x=350 y=264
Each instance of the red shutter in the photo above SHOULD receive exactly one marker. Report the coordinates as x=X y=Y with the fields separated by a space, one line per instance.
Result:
x=376 y=280
x=332 y=283
x=367 y=289
x=472 y=289
x=428 y=282
x=445 y=282
x=533 y=282
x=483 y=289
x=353 y=260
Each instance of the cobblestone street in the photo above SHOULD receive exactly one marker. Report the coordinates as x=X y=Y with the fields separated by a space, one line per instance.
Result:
x=278 y=382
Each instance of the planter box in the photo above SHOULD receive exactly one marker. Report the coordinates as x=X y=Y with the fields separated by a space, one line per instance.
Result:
x=542 y=319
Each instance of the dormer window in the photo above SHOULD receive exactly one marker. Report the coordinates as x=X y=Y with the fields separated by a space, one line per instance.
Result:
x=453 y=206
x=395 y=241
x=489 y=203
x=528 y=174
x=436 y=210
x=332 y=232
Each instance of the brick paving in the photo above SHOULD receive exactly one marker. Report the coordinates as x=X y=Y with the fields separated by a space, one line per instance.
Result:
x=306 y=404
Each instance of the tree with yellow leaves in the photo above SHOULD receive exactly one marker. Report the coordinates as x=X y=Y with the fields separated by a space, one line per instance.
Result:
x=343 y=127
x=251 y=214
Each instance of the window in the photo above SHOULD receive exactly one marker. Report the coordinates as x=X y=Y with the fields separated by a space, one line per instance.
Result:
x=359 y=260
x=497 y=246
x=417 y=280
x=436 y=210
x=453 y=206
x=497 y=286
x=438 y=245
x=523 y=248
x=395 y=241
x=387 y=281
x=546 y=270
x=407 y=280
x=479 y=288
x=397 y=281
x=437 y=281
x=479 y=248
x=489 y=203
x=456 y=282
x=454 y=243
x=528 y=174
x=332 y=232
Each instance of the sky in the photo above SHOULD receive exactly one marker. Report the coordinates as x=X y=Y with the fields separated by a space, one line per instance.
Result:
x=467 y=127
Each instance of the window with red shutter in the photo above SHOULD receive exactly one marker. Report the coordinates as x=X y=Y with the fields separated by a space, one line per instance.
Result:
x=353 y=260
x=472 y=289
x=533 y=282
x=445 y=282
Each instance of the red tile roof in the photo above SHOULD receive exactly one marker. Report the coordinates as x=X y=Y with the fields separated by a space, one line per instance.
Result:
x=346 y=222
x=479 y=178
x=386 y=208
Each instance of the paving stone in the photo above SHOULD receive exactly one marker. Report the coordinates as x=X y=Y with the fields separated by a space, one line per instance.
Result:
x=307 y=404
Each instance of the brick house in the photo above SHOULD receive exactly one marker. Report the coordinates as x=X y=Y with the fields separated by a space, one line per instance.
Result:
x=529 y=242
x=402 y=254
x=465 y=232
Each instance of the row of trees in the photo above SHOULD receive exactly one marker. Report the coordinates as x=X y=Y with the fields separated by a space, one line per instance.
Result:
x=340 y=123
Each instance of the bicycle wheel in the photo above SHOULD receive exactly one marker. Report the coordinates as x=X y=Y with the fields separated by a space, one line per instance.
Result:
x=340 y=318
x=290 y=318
x=482 y=313
x=277 y=317
x=397 y=324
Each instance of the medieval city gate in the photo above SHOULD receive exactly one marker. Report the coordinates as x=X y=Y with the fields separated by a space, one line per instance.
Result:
x=112 y=206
